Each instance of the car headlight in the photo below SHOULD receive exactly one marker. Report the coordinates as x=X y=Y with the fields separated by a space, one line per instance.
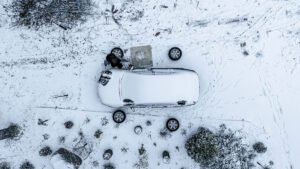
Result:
x=105 y=77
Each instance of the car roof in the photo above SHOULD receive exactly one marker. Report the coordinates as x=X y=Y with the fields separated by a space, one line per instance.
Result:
x=160 y=86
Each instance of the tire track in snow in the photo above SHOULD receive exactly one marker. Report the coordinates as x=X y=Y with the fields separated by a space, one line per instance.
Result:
x=278 y=114
x=259 y=23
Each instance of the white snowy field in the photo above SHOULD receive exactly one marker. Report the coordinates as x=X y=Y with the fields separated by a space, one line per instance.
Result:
x=253 y=87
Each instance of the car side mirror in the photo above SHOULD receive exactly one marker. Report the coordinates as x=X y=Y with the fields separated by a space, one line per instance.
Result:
x=181 y=102
x=128 y=102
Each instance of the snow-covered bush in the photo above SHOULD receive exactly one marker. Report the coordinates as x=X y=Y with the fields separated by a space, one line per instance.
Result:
x=259 y=147
x=9 y=133
x=45 y=151
x=222 y=149
x=130 y=10
x=104 y=121
x=4 y=165
x=98 y=133
x=27 y=165
x=233 y=152
x=68 y=124
x=202 y=147
x=108 y=166
x=164 y=133
x=148 y=123
x=37 y=13
x=143 y=158
x=95 y=164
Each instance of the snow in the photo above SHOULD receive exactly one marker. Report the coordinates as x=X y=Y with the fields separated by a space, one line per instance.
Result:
x=58 y=163
x=257 y=93
x=160 y=86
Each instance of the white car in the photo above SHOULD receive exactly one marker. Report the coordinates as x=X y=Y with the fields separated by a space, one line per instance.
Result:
x=156 y=87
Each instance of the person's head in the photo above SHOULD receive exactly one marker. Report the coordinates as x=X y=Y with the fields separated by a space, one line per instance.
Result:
x=110 y=56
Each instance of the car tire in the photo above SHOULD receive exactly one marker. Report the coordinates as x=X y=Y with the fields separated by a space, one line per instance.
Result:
x=172 y=124
x=118 y=52
x=175 y=53
x=119 y=116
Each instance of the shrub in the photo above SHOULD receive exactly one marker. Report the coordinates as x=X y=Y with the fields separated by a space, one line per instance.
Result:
x=259 y=147
x=232 y=151
x=4 y=165
x=37 y=13
x=26 y=165
x=148 y=123
x=202 y=147
x=95 y=163
x=104 y=121
x=45 y=151
x=143 y=158
x=222 y=149
x=98 y=133
x=164 y=133
x=68 y=124
x=11 y=132
x=108 y=166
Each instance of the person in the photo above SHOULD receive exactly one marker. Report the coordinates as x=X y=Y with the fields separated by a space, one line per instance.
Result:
x=114 y=61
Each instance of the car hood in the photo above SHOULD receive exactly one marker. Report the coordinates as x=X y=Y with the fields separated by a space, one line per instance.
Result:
x=110 y=94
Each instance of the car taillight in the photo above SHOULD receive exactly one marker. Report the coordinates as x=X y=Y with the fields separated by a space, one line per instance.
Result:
x=105 y=77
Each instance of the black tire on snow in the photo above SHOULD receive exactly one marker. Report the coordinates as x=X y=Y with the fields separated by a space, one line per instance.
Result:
x=175 y=53
x=118 y=52
x=172 y=124
x=119 y=116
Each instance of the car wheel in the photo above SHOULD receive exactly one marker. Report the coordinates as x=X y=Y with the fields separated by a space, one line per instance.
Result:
x=117 y=52
x=172 y=124
x=175 y=53
x=119 y=116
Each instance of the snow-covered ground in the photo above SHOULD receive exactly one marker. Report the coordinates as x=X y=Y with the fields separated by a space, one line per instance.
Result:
x=253 y=87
